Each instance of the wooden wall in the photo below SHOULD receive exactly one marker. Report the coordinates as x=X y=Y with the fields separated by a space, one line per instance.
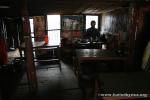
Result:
x=141 y=16
x=116 y=24
x=138 y=33
x=131 y=23
x=115 y=21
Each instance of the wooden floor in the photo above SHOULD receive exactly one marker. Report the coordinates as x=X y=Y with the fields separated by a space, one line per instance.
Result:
x=53 y=84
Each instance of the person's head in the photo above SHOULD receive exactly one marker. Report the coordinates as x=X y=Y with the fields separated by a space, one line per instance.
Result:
x=93 y=23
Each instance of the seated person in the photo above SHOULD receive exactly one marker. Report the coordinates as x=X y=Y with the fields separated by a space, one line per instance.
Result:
x=92 y=32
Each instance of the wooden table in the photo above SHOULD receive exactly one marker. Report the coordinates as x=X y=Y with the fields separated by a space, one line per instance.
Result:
x=35 y=45
x=82 y=55
x=89 y=45
x=94 y=55
x=40 y=45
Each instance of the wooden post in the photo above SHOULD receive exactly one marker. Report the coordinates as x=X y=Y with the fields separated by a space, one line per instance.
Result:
x=132 y=33
x=30 y=66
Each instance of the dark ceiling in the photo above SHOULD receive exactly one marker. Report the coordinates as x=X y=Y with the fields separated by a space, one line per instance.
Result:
x=9 y=7
x=40 y=7
x=74 y=6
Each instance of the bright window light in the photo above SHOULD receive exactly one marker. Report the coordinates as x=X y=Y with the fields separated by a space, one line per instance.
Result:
x=31 y=24
x=54 y=37
x=53 y=22
x=32 y=28
x=89 y=19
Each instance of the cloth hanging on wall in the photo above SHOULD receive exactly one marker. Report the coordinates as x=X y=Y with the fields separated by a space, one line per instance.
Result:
x=39 y=27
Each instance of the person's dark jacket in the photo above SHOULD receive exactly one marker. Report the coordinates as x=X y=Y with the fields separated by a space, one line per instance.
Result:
x=92 y=32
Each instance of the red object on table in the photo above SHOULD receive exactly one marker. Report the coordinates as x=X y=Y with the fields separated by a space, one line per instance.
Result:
x=46 y=39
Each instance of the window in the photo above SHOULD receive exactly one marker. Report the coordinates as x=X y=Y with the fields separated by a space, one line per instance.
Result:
x=89 y=18
x=53 y=22
x=32 y=28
